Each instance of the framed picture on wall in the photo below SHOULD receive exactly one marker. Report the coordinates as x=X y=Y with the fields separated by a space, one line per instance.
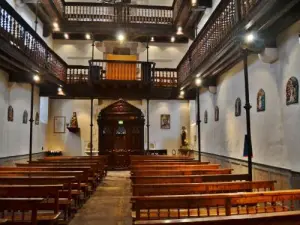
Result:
x=59 y=124
x=165 y=121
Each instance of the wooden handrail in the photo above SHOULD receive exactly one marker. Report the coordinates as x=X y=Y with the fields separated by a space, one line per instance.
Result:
x=15 y=30
x=115 y=13
x=219 y=27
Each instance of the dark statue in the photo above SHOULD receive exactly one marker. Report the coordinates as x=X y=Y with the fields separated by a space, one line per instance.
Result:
x=183 y=137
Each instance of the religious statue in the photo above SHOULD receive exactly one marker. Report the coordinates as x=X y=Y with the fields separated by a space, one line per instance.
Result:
x=10 y=114
x=183 y=137
x=73 y=122
x=292 y=91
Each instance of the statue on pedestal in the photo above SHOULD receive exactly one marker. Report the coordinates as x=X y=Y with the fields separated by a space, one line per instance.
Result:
x=73 y=122
x=184 y=142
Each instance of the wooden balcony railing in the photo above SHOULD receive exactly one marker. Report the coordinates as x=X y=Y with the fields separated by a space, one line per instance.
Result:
x=165 y=77
x=77 y=74
x=130 y=71
x=14 y=30
x=219 y=27
x=121 y=70
x=114 y=13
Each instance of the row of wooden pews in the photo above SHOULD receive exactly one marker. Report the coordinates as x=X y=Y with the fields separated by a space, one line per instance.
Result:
x=171 y=190
x=50 y=190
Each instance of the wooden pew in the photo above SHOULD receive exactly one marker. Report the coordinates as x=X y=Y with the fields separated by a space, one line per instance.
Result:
x=20 y=206
x=50 y=194
x=200 y=188
x=102 y=167
x=65 y=196
x=187 y=206
x=94 y=176
x=87 y=172
x=188 y=178
x=76 y=186
x=179 y=172
x=159 y=157
x=174 y=167
x=97 y=168
x=165 y=162
x=279 y=218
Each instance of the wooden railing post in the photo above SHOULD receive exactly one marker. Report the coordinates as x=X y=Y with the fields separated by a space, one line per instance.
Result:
x=237 y=4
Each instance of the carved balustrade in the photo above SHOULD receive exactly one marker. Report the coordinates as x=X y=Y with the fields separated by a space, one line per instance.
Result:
x=117 y=13
x=143 y=71
x=14 y=30
x=219 y=27
x=165 y=77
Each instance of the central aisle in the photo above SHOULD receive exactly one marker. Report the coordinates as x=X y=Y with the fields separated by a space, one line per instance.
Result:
x=110 y=204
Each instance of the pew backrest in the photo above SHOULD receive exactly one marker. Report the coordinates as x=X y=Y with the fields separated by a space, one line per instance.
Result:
x=201 y=188
x=22 y=205
x=174 y=167
x=34 y=191
x=179 y=172
x=189 y=178
x=221 y=204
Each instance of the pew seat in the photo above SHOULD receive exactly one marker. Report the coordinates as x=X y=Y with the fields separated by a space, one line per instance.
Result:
x=278 y=218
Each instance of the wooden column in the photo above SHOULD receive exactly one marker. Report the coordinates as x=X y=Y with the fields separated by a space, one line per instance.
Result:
x=31 y=122
x=198 y=122
x=148 y=125
x=247 y=109
x=147 y=49
x=91 y=130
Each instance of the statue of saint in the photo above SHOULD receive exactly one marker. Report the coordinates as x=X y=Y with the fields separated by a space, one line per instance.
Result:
x=73 y=122
x=183 y=137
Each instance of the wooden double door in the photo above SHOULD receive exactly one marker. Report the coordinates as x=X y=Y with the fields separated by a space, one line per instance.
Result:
x=121 y=133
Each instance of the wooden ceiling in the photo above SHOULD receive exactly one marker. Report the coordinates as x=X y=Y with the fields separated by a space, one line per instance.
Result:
x=139 y=22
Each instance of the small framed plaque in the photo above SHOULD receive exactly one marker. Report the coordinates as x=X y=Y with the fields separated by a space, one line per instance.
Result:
x=59 y=124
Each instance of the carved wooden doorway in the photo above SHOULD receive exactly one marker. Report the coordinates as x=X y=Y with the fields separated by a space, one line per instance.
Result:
x=121 y=133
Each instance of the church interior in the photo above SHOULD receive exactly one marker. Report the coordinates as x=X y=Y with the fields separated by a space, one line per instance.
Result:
x=149 y=112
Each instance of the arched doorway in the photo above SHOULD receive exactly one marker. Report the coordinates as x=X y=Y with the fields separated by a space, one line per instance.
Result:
x=121 y=133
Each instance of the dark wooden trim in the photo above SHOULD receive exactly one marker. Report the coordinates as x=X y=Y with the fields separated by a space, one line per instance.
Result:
x=20 y=19
x=113 y=5
x=254 y=163
x=24 y=155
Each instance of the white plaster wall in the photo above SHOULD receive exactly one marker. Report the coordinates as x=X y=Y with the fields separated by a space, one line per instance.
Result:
x=275 y=137
x=14 y=136
x=75 y=144
x=75 y=52
x=24 y=11
x=165 y=55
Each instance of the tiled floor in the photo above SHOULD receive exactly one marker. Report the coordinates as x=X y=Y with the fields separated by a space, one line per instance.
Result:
x=110 y=204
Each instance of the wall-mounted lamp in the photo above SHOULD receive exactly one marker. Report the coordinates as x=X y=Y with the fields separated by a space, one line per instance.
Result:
x=87 y=36
x=36 y=78
x=198 y=81
x=179 y=31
